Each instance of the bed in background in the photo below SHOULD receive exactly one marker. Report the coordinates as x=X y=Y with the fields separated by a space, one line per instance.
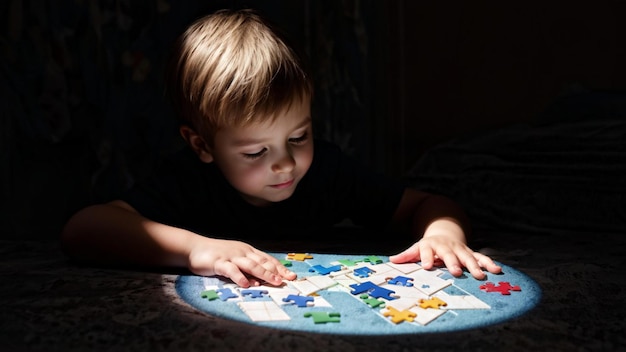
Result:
x=566 y=173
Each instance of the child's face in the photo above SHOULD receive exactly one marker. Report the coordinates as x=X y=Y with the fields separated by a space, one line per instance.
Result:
x=265 y=161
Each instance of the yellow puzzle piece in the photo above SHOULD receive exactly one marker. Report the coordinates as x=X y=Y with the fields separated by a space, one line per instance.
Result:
x=434 y=303
x=299 y=256
x=399 y=316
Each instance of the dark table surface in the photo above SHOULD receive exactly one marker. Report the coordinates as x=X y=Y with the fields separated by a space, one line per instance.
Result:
x=51 y=304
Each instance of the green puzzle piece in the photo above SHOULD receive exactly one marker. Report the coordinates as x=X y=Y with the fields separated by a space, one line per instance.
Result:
x=372 y=259
x=372 y=302
x=323 y=317
x=209 y=294
x=347 y=262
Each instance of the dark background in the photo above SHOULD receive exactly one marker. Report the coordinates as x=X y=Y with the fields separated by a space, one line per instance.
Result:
x=83 y=114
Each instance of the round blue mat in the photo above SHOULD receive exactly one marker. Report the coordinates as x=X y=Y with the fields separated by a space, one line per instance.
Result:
x=350 y=315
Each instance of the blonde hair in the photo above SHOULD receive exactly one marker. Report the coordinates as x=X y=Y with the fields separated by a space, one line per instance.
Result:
x=232 y=68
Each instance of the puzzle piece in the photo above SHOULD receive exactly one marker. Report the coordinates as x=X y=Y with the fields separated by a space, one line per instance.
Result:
x=428 y=281
x=323 y=317
x=363 y=271
x=362 y=287
x=226 y=293
x=372 y=259
x=503 y=287
x=263 y=311
x=405 y=268
x=312 y=284
x=381 y=292
x=426 y=315
x=299 y=256
x=325 y=270
x=210 y=295
x=433 y=302
x=300 y=301
x=285 y=262
x=253 y=293
x=455 y=302
x=347 y=262
x=373 y=290
x=399 y=316
x=372 y=302
x=401 y=280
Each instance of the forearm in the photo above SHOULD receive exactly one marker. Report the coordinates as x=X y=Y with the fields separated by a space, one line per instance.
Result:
x=110 y=234
x=439 y=214
x=424 y=214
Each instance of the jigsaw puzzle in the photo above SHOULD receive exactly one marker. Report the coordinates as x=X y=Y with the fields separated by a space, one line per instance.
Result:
x=365 y=295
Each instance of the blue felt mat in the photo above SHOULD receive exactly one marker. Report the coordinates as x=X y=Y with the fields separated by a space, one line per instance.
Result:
x=350 y=315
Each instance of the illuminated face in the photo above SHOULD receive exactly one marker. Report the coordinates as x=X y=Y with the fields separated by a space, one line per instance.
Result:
x=266 y=161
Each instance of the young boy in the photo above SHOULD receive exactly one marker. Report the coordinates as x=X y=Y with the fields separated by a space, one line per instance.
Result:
x=252 y=169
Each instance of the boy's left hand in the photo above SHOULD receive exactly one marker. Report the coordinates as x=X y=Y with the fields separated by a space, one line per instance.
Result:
x=454 y=253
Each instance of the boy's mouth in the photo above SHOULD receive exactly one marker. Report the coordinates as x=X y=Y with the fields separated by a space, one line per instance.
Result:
x=283 y=184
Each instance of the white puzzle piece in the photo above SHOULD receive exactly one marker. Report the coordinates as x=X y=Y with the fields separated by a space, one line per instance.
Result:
x=263 y=311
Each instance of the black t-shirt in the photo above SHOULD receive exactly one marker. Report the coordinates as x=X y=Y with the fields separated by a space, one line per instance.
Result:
x=187 y=193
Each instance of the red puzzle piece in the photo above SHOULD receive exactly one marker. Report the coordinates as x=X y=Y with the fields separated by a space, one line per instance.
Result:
x=503 y=287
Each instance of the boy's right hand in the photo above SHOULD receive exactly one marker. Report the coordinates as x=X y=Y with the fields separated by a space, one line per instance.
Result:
x=245 y=265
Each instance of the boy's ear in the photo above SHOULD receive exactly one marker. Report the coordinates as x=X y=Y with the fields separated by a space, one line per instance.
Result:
x=197 y=143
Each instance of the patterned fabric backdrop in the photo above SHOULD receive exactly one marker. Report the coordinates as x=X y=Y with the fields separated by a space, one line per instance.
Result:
x=83 y=113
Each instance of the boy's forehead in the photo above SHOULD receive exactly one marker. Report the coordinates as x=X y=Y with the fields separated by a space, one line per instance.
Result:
x=295 y=116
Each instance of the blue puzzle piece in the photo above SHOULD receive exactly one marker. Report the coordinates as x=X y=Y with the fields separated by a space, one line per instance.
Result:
x=401 y=280
x=373 y=290
x=300 y=301
x=362 y=287
x=323 y=270
x=253 y=293
x=380 y=292
x=363 y=271
x=226 y=293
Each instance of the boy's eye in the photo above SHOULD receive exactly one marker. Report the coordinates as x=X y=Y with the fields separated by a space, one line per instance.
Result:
x=298 y=140
x=255 y=155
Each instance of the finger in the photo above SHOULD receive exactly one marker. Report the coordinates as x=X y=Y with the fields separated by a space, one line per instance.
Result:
x=231 y=271
x=253 y=268
x=451 y=262
x=267 y=262
x=472 y=266
x=428 y=257
x=274 y=265
x=410 y=254
x=486 y=262
x=286 y=273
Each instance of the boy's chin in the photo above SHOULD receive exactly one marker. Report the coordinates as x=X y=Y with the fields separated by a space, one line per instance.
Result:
x=267 y=201
x=280 y=198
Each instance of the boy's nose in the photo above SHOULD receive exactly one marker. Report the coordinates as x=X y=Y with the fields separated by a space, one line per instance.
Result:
x=284 y=163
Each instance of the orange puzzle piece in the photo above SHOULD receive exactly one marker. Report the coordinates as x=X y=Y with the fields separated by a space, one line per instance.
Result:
x=399 y=316
x=434 y=303
x=299 y=256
